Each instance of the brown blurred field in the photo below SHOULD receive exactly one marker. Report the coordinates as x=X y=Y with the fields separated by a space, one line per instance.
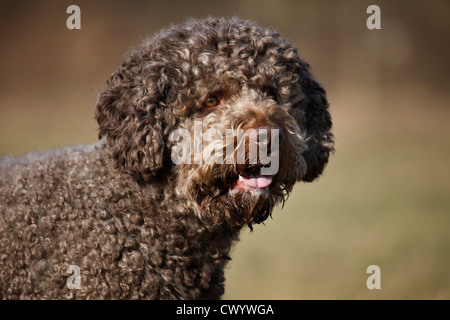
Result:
x=384 y=198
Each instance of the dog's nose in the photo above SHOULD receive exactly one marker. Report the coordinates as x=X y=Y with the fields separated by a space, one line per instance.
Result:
x=265 y=131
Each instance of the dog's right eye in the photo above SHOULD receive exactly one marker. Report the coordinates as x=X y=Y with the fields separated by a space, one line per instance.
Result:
x=211 y=102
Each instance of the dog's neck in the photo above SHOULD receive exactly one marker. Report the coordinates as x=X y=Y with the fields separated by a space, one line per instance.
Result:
x=142 y=197
x=168 y=233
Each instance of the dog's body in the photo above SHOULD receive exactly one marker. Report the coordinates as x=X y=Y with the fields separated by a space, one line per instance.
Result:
x=133 y=223
x=86 y=213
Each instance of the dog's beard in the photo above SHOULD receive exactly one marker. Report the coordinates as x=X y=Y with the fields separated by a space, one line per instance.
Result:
x=235 y=194
x=216 y=200
x=238 y=207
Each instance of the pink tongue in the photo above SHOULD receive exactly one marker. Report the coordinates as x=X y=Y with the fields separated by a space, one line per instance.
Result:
x=257 y=181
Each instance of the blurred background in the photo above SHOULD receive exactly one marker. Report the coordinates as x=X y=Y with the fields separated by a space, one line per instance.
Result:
x=385 y=196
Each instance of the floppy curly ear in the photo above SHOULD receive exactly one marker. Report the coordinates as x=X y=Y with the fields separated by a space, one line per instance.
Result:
x=132 y=119
x=314 y=120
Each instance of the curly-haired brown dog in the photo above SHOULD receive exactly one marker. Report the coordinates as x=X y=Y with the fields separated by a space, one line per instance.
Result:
x=136 y=224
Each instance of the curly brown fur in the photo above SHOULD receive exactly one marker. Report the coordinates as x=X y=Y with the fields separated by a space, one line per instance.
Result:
x=138 y=225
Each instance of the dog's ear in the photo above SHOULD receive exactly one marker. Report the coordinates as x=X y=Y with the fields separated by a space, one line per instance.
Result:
x=132 y=116
x=314 y=119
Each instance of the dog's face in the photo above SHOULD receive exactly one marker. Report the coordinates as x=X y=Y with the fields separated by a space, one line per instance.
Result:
x=225 y=107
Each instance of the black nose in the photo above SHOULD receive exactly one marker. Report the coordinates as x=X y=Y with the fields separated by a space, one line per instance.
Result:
x=265 y=133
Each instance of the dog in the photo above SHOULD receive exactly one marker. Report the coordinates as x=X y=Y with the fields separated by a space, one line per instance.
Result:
x=151 y=210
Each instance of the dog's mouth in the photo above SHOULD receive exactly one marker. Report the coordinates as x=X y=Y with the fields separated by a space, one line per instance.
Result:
x=241 y=194
x=253 y=182
x=251 y=179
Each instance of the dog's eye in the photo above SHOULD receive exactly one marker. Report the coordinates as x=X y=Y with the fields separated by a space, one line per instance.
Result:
x=212 y=102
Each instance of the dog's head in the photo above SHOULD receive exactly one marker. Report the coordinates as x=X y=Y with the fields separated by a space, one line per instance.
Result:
x=226 y=106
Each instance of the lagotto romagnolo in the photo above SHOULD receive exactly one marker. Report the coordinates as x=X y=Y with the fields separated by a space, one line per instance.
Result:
x=121 y=219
